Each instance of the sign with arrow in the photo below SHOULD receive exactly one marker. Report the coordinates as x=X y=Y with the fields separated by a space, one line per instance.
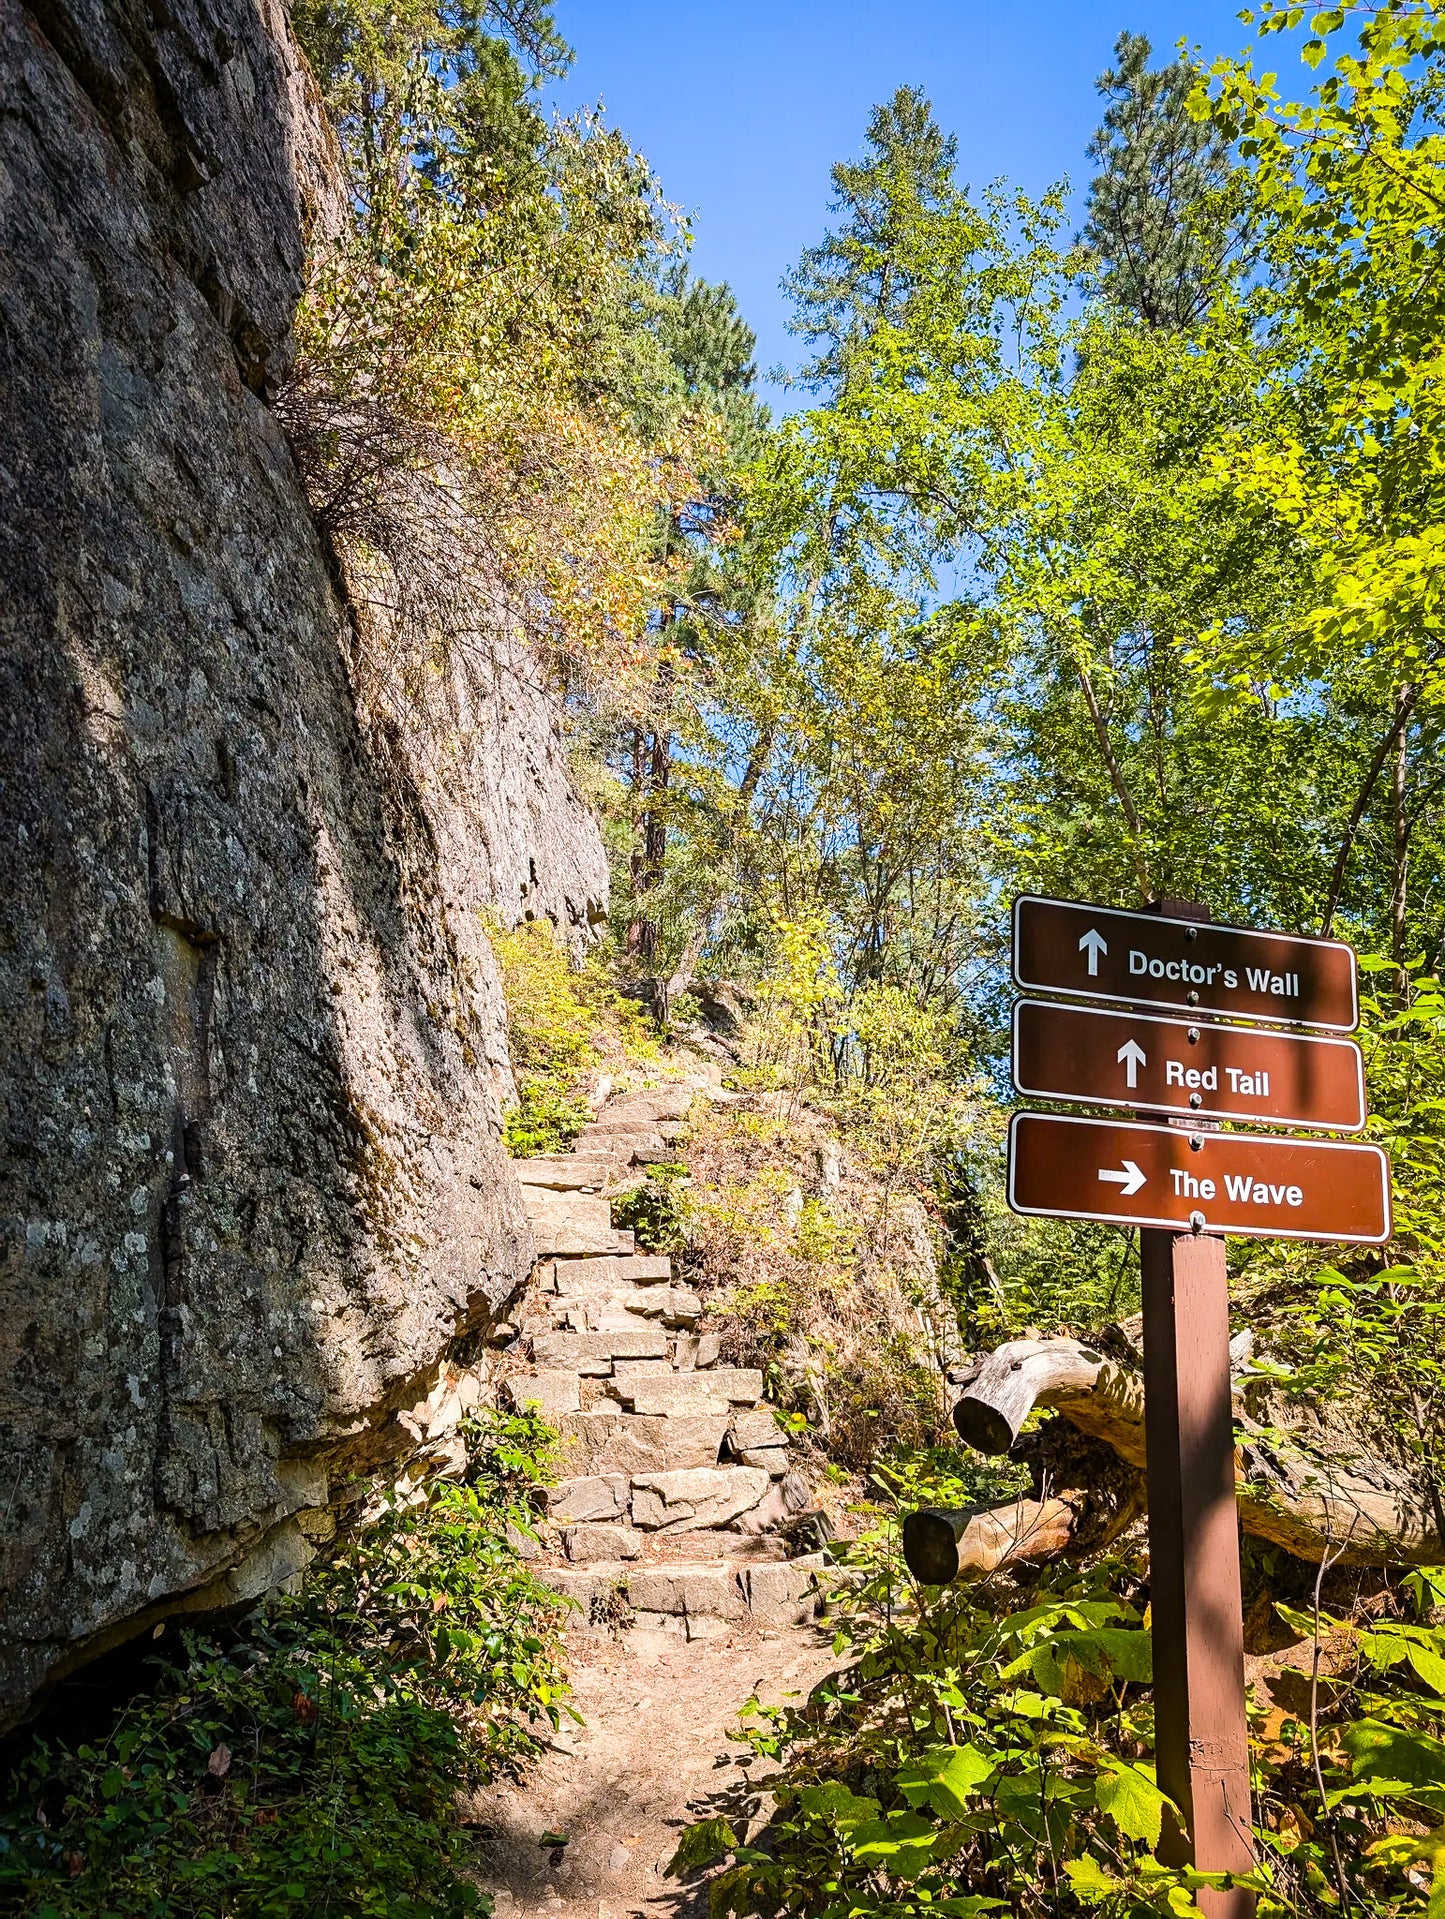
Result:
x=1096 y=952
x=1187 y=1066
x=1248 y=1183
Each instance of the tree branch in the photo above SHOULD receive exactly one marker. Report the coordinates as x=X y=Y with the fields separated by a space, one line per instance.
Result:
x=1404 y=706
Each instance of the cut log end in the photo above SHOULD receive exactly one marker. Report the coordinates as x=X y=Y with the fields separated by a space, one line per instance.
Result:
x=983 y=1427
x=930 y=1546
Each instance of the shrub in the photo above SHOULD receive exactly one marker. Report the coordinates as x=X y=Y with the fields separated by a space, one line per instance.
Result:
x=309 y=1760
x=654 y=1211
x=563 y=1020
x=988 y=1749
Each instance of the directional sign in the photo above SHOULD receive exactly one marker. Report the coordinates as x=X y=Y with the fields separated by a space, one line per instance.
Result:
x=1243 y=1183
x=1100 y=953
x=1182 y=1066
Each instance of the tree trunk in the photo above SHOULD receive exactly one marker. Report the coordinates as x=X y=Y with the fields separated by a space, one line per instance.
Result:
x=939 y=1546
x=1401 y=871
x=651 y=776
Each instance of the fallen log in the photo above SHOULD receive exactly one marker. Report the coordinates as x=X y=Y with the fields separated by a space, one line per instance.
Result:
x=1298 y=1484
x=939 y=1546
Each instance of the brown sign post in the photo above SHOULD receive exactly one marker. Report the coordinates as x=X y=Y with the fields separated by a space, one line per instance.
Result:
x=1185 y=1187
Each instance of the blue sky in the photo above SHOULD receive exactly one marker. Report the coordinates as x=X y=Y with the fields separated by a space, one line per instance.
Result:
x=743 y=106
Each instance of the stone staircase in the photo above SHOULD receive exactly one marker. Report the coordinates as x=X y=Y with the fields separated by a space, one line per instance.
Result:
x=678 y=1476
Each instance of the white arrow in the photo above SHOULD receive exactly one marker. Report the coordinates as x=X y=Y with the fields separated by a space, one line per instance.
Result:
x=1133 y=1056
x=1128 y=1182
x=1095 y=943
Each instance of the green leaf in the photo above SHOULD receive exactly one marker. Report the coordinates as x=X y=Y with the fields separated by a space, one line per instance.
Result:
x=1381 y=1754
x=837 y=1805
x=945 y=1778
x=1133 y=1801
x=1429 y=1666
x=702 y=1845
x=901 y=1843
x=1089 y=1880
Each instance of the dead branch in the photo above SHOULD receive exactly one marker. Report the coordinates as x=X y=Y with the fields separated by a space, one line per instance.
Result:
x=1302 y=1489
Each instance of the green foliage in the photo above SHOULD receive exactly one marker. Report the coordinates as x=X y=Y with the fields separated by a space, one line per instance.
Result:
x=563 y=1020
x=1155 y=219
x=655 y=1210
x=431 y=101
x=485 y=404
x=309 y=1761
x=1370 y=1329
x=988 y=1748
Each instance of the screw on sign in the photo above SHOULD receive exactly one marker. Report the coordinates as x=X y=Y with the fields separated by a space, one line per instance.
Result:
x=1184 y=1188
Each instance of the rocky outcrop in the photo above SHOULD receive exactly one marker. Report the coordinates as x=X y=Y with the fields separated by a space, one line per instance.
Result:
x=251 y=1040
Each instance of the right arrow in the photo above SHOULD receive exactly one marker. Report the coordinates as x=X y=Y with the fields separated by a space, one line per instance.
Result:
x=1093 y=943
x=1129 y=1181
x=1133 y=1056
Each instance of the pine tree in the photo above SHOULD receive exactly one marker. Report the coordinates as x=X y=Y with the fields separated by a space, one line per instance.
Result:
x=856 y=280
x=1158 y=221
x=710 y=349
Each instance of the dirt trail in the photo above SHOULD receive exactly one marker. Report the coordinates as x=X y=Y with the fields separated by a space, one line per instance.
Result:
x=653 y=1754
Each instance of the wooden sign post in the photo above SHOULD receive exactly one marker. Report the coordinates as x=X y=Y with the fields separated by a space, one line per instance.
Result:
x=1185 y=1187
x=1196 y=1605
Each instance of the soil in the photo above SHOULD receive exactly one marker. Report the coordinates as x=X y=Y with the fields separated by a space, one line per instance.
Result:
x=653 y=1755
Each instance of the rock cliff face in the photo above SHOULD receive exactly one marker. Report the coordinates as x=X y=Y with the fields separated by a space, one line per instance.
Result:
x=251 y=1046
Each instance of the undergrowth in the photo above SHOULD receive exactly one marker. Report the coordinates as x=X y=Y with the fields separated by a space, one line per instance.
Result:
x=308 y=1761
x=988 y=1748
x=817 y=1271
x=565 y=1021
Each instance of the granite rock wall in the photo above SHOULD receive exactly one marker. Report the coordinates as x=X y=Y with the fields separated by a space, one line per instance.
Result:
x=251 y=1037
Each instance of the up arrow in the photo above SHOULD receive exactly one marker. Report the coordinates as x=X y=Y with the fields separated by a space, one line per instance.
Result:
x=1133 y=1056
x=1094 y=943
x=1128 y=1182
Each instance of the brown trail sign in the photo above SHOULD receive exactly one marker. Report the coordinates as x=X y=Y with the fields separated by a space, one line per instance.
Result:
x=1245 y=1183
x=1098 y=952
x=1181 y=1066
x=1185 y=1188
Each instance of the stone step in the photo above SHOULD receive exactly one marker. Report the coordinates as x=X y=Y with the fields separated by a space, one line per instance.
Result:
x=566 y=1172
x=699 y=1600
x=654 y=1104
x=676 y=1306
x=572 y=1276
x=591 y=1497
x=682 y=1392
x=593 y=1540
x=573 y=1224
x=695 y=1352
x=671 y=1395
x=594 y=1353
x=772 y=1459
x=614 y=1441
x=759 y=1428
x=629 y=1145
x=553 y=1393
x=700 y=1496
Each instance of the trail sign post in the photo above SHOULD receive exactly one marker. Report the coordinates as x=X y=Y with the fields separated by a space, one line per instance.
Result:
x=1184 y=1187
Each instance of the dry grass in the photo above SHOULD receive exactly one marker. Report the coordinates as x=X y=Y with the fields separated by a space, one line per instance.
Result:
x=813 y=1271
